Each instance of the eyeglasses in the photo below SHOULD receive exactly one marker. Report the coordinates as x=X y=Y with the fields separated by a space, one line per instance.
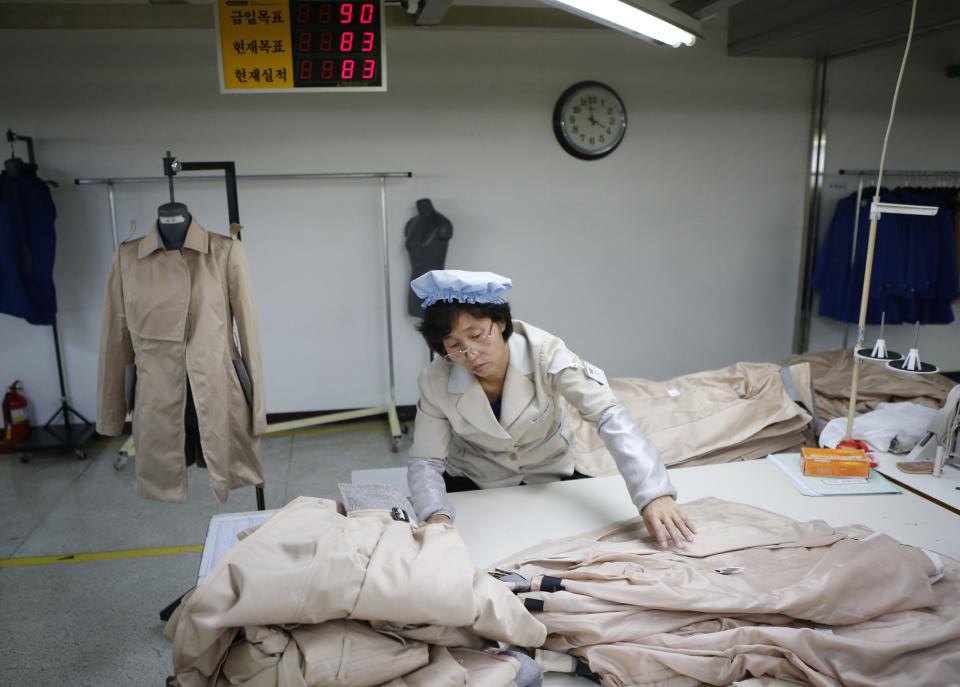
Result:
x=478 y=343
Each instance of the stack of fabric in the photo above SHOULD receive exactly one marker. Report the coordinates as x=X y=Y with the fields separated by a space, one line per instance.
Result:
x=832 y=373
x=741 y=412
x=756 y=595
x=319 y=597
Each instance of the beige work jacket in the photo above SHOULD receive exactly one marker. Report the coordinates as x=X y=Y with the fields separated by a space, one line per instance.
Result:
x=532 y=441
x=171 y=315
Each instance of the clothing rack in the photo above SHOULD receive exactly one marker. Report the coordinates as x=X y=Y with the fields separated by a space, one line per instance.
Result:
x=873 y=173
x=67 y=436
x=396 y=429
x=900 y=173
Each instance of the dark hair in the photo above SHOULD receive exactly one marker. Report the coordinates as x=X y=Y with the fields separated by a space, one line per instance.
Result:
x=439 y=318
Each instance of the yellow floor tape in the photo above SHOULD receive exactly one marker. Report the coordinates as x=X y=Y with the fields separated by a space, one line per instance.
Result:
x=102 y=556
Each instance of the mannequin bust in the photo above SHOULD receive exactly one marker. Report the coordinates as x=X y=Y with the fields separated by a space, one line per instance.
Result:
x=427 y=237
x=173 y=220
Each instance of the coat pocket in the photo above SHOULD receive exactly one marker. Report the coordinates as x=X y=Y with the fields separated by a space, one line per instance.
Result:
x=244 y=378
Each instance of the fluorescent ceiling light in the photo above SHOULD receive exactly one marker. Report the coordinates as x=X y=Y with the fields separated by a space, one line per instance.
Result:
x=627 y=18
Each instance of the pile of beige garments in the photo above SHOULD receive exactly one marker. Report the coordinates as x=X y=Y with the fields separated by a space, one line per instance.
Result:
x=832 y=373
x=741 y=412
x=317 y=596
x=756 y=595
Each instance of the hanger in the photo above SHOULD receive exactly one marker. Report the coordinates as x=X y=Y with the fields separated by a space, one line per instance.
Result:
x=16 y=167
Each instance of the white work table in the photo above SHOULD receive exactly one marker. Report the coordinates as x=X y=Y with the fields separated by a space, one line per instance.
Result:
x=497 y=523
x=945 y=489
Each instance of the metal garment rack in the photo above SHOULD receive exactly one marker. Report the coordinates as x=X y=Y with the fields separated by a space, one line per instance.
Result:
x=863 y=174
x=390 y=410
x=69 y=436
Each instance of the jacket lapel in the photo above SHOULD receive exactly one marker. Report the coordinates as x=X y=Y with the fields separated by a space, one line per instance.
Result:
x=518 y=393
x=474 y=407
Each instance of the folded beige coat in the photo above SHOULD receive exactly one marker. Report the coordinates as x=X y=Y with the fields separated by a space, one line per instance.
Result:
x=705 y=416
x=756 y=595
x=833 y=373
x=309 y=566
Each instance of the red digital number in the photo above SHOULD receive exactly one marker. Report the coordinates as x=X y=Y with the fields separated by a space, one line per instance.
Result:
x=346 y=13
x=367 y=44
x=346 y=41
x=369 y=67
x=303 y=13
x=305 y=41
x=326 y=41
x=326 y=13
x=348 y=69
x=366 y=13
x=306 y=70
x=326 y=70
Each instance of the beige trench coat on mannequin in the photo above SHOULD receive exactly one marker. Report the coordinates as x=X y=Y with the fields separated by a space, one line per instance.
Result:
x=171 y=314
x=532 y=441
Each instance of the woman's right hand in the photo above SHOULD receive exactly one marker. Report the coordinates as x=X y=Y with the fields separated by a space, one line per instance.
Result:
x=433 y=519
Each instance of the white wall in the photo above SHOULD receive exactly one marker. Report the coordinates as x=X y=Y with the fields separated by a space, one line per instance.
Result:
x=677 y=253
x=925 y=135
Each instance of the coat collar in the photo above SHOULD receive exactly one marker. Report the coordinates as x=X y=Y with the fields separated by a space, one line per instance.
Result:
x=197 y=239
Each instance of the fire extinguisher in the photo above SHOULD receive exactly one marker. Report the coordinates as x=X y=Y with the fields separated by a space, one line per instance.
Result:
x=16 y=414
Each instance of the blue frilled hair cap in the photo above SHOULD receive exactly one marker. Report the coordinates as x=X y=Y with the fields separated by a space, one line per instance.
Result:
x=460 y=286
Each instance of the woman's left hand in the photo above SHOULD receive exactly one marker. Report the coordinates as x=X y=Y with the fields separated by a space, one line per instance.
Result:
x=665 y=521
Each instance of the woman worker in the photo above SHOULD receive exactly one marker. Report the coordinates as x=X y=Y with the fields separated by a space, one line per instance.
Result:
x=490 y=414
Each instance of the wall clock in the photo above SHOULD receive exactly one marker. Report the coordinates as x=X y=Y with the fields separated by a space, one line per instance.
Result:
x=589 y=120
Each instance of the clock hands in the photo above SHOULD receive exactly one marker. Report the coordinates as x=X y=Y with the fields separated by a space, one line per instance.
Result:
x=592 y=119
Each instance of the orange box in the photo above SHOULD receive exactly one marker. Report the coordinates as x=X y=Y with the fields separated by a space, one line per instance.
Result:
x=832 y=462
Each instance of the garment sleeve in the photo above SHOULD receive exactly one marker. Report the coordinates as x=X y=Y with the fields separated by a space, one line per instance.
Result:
x=431 y=432
x=638 y=460
x=241 y=305
x=427 y=488
x=116 y=353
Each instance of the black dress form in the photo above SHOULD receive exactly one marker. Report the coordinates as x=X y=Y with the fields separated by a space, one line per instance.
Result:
x=173 y=221
x=427 y=237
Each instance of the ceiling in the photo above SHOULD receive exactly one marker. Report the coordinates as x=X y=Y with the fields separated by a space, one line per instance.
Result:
x=756 y=28
x=830 y=28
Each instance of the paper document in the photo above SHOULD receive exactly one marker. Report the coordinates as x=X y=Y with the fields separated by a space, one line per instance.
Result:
x=222 y=535
x=789 y=463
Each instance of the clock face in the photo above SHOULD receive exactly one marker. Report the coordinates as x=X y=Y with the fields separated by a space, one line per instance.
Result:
x=589 y=120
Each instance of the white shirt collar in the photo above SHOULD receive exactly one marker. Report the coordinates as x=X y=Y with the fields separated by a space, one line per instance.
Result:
x=521 y=358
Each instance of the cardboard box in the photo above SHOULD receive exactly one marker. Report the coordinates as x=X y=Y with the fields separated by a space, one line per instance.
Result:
x=831 y=462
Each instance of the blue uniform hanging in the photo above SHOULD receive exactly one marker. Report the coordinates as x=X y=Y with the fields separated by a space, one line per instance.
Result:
x=27 y=247
x=914 y=269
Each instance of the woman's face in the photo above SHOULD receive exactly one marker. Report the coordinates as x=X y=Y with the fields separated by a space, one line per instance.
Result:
x=478 y=345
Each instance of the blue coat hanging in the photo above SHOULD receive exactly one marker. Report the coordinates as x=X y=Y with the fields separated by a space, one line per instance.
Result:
x=914 y=269
x=27 y=247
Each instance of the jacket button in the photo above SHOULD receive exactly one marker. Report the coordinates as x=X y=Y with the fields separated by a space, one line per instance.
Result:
x=513 y=456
